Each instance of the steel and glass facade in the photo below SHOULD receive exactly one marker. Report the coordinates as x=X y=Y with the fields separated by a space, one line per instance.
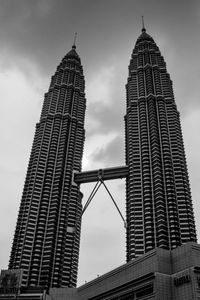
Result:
x=46 y=240
x=159 y=207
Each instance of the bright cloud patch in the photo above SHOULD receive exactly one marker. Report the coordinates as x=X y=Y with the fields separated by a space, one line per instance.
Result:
x=93 y=145
x=98 y=89
x=99 y=94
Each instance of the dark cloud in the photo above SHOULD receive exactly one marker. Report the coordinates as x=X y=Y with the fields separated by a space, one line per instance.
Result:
x=42 y=30
x=107 y=108
x=110 y=118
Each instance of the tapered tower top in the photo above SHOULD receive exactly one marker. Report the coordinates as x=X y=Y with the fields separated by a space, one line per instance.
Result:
x=144 y=36
x=72 y=53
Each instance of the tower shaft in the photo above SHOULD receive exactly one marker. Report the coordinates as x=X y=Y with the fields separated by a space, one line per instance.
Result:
x=46 y=240
x=159 y=206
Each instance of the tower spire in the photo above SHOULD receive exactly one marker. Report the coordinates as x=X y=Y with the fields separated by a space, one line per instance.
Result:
x=143 y=27
x=74 y=44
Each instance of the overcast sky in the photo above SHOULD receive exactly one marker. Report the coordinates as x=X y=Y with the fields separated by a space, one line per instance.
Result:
x=34 y=37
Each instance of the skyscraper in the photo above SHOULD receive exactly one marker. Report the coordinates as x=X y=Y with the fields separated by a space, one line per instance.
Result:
x=46 y=240
x=159 y=207
x=158 y=200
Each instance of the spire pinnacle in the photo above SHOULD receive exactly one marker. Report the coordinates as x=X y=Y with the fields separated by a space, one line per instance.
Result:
x=143 y=28
x=74 y=44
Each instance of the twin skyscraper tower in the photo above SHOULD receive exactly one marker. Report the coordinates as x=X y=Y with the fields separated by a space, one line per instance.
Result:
x=158 y=200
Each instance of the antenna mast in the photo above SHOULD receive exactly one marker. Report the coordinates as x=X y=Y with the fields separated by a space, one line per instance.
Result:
x=75 y=38
x=143 y=28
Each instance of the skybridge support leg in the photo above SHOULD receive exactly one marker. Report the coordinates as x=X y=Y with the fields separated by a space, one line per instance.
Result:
x=100 y=176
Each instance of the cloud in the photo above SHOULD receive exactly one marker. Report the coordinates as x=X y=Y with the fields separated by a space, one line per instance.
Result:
x=111 y=154
x=104 y=118
x=98 y=88
x=99 y=94
x=106 y=100
x=93 y=145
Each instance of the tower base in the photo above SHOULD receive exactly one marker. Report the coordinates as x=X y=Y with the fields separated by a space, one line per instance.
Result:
x=159 y=274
